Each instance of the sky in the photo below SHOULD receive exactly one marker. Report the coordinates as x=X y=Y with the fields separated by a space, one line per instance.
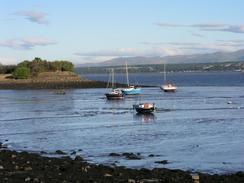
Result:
x=89 y=31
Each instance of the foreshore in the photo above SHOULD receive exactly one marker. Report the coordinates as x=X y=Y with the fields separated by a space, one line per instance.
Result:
x=29 y=167
x=52 y=85
x=51 y=80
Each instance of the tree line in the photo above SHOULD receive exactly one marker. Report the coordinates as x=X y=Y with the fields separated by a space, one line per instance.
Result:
x=27 y=69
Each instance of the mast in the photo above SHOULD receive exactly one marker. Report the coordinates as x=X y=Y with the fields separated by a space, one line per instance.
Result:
x=109 y=78
x=127 y=77
x=164 y=72
x=112 y=70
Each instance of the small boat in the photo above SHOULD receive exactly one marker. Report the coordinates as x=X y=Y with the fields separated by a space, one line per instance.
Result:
x=144 y=108
x=167 y=86
x=115 y=94
x=130 y=90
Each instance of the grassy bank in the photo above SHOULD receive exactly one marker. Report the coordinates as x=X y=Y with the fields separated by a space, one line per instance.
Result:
x=50 y=80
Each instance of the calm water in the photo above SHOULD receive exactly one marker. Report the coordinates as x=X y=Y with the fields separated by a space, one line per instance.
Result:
x=180 y=79
x=194 y=128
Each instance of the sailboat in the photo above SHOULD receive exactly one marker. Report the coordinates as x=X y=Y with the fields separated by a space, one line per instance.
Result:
x=167 y=86
x=114 y=94
x=130 y=89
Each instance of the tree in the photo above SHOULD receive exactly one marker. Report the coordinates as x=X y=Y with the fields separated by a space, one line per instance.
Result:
x=21 y=73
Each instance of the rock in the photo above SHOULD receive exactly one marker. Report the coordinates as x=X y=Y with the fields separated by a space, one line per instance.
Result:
x=114 y=154
x=162 y=162
x=13 y=156
x=16 y=167
x=3 y=146
x=36 y=180
x=60 y=152
x=1 y=167
x=79 y=150
x=131 y=156
x=28 y=168
x=73 y=153
x=131 y=181
x=28 y=179
x=195 y=178
x=78 y=158
x=149 y=181
x=62 y=168
x=107 y=175
x=43 y=152
x=151 y=155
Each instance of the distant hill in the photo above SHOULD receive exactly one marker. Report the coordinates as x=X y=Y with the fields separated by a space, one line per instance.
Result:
x=195 y=58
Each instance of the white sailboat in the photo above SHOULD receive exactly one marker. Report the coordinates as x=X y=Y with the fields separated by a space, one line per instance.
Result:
x=115 y=94
x=130 y=90
x=167 y=86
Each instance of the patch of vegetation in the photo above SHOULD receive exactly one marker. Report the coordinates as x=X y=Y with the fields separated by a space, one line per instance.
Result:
x=21 y=73
x=7 y=69
x=32 y=68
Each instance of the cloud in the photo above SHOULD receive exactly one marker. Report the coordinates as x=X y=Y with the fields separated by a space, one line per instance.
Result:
x=208 y=27
x=169 y=25
x=197 y=34
x=27 y=43
x=230 y=28
x=32 y=16
x=152 y=49
x=168 y=43
x=8 y=60
x=127 y=52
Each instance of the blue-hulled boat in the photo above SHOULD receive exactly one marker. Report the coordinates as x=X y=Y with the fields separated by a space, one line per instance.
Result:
x=130 y=89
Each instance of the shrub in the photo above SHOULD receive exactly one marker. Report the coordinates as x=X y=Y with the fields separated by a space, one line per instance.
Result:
x=21 y=73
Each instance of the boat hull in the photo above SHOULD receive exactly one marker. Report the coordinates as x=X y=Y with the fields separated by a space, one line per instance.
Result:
x=168 y=88
x=131 y=91
x=144 y=108
x=114 y=96
x=145 y=111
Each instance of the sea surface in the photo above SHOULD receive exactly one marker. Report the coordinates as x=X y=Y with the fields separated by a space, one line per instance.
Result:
x=180 y=79
x=198 y=128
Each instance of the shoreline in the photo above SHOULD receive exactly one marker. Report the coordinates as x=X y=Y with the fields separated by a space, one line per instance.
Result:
x=58 y=85
x=33 y=167
x=26 y=85
x=50 y=80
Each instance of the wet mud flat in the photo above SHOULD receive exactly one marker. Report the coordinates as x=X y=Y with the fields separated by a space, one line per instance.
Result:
x=31 y=167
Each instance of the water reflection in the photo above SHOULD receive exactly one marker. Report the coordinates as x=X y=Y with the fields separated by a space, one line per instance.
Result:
x=145 y=118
